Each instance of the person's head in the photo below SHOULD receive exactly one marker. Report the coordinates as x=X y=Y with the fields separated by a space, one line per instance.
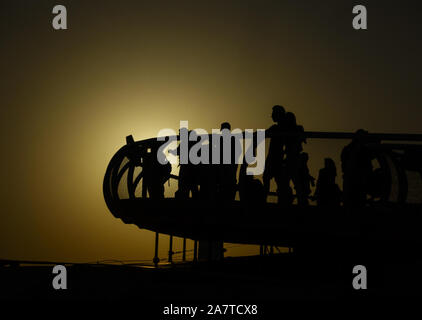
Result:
x=304 y=157
x=360 y=136
x=329 y=164
x=278 y=113
x=225 y=125
x=290 y=119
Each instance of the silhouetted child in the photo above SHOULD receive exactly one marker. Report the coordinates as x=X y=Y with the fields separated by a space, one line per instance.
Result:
x=253 y=193
x=327 y=193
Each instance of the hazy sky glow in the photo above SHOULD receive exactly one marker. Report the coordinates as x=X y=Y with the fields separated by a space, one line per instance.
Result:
x=69 y=98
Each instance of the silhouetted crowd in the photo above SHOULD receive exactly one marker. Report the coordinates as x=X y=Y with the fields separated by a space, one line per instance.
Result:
x=286 y=163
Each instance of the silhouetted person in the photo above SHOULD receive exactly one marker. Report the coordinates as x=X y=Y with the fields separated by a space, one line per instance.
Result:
x=188 y=182
x=155 y=174
x=327 y=193
x=207 y=177
x=293 y=157
x=254 y=192
x=251 y=190
x=357 y=169
x=227 y=173
x=303 y=180
x=275 y=166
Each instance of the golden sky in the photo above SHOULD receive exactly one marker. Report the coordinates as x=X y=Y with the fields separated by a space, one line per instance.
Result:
x=69 y=98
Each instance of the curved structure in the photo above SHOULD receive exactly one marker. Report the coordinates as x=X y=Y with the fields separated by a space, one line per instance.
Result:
x=125 y=193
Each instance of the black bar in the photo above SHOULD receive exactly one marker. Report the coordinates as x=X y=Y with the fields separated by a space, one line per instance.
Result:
x=156 y=259
x=171 y=249
x=184 y=250
x=195 y=250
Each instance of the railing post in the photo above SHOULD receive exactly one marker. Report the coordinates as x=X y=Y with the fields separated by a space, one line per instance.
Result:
x=184 y=250
x=195 y=251
x=171 y=249
x=156 y=259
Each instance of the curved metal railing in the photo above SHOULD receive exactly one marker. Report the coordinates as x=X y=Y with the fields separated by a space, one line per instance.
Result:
x=395 y=164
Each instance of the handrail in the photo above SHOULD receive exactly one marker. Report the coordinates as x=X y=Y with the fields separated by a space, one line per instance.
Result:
x=414 y=137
